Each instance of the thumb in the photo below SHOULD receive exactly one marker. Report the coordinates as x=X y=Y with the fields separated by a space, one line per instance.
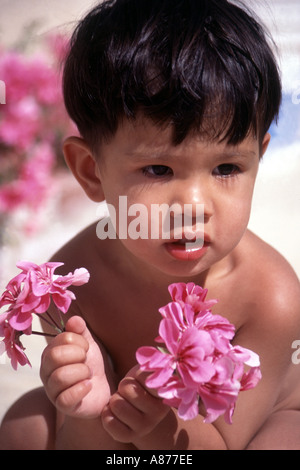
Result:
x=77 y=325
x=141 y=377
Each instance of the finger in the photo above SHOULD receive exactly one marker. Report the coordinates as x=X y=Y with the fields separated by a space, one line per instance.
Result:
x=141 y=377
x=77 y=325
x=65 y=377
x=70 y=399
x=68 y=338
x=114 y=427
x=60 y=356
x=126 y=412
x=136 y=393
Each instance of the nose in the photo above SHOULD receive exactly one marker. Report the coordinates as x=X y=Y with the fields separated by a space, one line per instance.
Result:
x=194 y=194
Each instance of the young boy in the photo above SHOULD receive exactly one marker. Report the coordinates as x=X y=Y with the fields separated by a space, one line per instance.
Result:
x=173 y=100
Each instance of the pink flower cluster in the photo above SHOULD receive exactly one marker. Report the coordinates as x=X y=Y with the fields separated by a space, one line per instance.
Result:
x=32 y=123
x=197 y=360
x=31 y=292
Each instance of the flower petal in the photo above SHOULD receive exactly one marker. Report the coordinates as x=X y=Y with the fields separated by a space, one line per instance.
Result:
x=21 y=321
x=151 y=359
x=160 y=377
x=251 y=378
x=80 y=276
x=169 y=332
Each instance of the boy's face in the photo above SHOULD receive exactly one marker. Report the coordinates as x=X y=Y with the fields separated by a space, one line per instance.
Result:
x=209 y=183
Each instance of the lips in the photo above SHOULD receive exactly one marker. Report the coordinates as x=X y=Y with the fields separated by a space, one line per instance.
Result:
x=187 y=249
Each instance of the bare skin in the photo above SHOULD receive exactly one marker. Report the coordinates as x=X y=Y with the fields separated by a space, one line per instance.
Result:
x=99 y=398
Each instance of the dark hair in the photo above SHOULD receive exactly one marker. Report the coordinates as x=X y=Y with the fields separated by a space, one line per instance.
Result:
x=201 y=65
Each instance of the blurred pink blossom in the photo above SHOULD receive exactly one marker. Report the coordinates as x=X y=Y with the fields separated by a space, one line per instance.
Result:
x=34 y=181
x=33 y=123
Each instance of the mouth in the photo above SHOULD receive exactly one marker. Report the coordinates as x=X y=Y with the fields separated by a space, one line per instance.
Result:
x=188 y=249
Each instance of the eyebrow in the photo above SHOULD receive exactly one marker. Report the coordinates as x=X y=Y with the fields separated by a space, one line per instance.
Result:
x=243 y=153
x=227 y=153
x=145 y=155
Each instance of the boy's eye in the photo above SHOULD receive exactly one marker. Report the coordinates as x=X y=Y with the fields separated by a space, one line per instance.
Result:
x=157 y=170
x=226 y=170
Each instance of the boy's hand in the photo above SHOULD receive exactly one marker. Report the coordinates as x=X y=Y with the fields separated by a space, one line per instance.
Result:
x=72 y=372
x=133 y=411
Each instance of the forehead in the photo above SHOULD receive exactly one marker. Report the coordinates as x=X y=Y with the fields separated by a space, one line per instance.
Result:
x=141 y=139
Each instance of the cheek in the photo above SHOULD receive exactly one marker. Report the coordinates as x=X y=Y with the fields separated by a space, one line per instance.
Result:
x=240 y=212
x=132 y=220
x=232 y=219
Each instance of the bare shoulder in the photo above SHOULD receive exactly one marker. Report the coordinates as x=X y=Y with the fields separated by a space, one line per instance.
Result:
x=87 y=251
x=81 y=248
x=100 y=258
x=274 y=284
x=82 y=251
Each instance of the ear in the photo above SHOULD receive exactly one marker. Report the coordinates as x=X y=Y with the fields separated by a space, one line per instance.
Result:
x=265 y=144
x=81 y=162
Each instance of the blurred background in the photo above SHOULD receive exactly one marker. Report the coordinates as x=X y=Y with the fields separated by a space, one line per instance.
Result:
x=41 y=205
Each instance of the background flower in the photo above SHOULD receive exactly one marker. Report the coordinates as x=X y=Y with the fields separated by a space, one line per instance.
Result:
x=33 y=123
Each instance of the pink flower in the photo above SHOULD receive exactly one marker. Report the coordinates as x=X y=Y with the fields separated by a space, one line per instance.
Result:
x=187 y=353
x=32 y=124
x=28 y=293
x=220 y=394
x=197 y=360
x=251 y=378
x=33 y=183
x=220 y=329
x=191 y=294
x=45 y=285
x=22 y=302
x=12 y=291
x=183 y=315
x=186 y=400
x=11 y=344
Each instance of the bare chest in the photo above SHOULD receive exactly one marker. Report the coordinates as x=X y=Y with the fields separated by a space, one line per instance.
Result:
x=123 y=321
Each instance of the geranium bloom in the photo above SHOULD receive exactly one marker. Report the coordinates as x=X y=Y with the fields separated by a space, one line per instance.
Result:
x=220 y=394
x=191 y=294
x=22 y=302
x=187 y=353
x=44 y=284
x=11 y=344
x=197 y=361
x=185 y=399
x=31 y=292
x=184 y=315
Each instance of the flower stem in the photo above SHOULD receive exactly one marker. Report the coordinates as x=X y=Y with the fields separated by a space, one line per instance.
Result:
x=52 y=323
x=57 y=327
x=62 y=324
x=45 y=320
x=43 y=334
